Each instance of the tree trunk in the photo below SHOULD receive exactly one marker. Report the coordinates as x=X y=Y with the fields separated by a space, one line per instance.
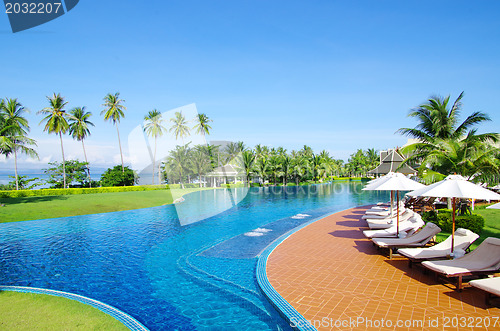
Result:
x=88 y=168
x=154 y=164
x=15 y=169
x=64 y=161
x=121 y=154
x=199 y=178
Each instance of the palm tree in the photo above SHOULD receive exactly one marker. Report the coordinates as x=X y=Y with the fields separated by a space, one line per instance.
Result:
x=247 y=161
x=436 y=120
x=261 y=168
x=177 y=162
x=179 y=128
x=55 y=122
x=154 y=127
x=199 y=161
x=300 y=166
x=17 y=130
x=202 y=126
x=79 y=129
x=286 y=167
x=440 y=136
x=114 y=112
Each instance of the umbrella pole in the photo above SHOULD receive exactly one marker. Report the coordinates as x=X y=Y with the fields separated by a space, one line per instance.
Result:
x=397 y=216
x=392 y=201
x=453 y=202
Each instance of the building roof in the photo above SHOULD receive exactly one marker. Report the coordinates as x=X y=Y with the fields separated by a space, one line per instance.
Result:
x=228 y=170
x=390 y=161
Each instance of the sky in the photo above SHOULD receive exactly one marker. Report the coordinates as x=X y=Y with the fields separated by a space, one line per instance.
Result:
x=333 y=75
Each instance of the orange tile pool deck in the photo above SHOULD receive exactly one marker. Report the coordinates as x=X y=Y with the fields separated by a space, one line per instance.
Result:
x=331 y=274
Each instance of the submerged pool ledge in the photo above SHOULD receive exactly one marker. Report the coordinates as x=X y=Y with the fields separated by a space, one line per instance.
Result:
x=296 y=320
x=126 y=319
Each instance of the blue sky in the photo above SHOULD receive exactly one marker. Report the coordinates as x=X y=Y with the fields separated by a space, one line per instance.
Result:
x=335 y=75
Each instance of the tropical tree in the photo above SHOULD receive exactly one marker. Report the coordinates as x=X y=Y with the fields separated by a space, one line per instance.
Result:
x=114 y=112
x=117 y=177
x=79 y=124
x=438 y=121
x=17 y=128
x=56 y=122
x=71 y=171
x=202 y=125
x=179 y=126
x=247 y=162
x=286 y=167
x=444 y=146
x=274 y=166
x=177 y=163
x=261 y=168
x=300 y=167
x=199 y=161
x=153 y=126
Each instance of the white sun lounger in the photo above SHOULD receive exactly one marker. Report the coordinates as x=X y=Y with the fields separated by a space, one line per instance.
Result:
x=375 y=223
x=463 y=239
x=408 y=226
x=484 y=260
x=418 y=239
x=491 y=286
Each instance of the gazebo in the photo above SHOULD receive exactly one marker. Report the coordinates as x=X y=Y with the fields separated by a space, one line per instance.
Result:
x=220 y=175
x=390 y=161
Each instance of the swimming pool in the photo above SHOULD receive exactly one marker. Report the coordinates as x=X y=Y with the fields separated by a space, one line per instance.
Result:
x=200 y=275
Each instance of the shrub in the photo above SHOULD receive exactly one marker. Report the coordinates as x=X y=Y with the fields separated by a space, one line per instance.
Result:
x=72 y=191
x=117 y=177
x=473 y=222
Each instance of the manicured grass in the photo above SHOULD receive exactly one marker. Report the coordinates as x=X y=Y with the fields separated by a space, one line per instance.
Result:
x=28 y=311
x=491 y=225
x=33 y=208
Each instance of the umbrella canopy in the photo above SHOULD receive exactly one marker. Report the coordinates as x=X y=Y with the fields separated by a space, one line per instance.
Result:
x=394 y=181
x=455 y=187
x=495 y=206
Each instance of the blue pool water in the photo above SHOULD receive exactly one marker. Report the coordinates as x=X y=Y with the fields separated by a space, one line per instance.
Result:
x=186 y=268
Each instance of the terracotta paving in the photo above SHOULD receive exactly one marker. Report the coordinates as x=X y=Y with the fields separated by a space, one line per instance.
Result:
x=332 y=274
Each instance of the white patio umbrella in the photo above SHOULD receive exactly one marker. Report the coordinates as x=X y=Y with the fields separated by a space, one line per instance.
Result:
x=378 y=181
x=495 y=206
x=455 y=187
x=394 y=182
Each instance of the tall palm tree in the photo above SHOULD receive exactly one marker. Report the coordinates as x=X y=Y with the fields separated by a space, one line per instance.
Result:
x=114 y=112
x=154 y=127
x=79 y=124
x=179 y=128
x=438 y=132
x=286 y=167
x=247 y=161
x=17 y=131
x=202 y=125
x=437 y=120
x=56 y=122
x=177 y=162
x=199 y=161
x=261 y=168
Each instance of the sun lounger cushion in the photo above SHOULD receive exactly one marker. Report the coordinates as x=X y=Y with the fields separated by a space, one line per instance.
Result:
x=490 y=285
x=418 y=239
x=486 y=257
x=463 y=239
x=410 y=225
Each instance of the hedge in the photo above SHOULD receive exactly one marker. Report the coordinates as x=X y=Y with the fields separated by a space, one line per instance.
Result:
x=473 y=222
x=72 y=191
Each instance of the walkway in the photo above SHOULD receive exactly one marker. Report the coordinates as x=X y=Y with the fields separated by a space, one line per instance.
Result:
x=332 y=275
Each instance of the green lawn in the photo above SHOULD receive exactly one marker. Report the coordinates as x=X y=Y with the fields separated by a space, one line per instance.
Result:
x=33 y=208
x=28 y=311
x=491 y=225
